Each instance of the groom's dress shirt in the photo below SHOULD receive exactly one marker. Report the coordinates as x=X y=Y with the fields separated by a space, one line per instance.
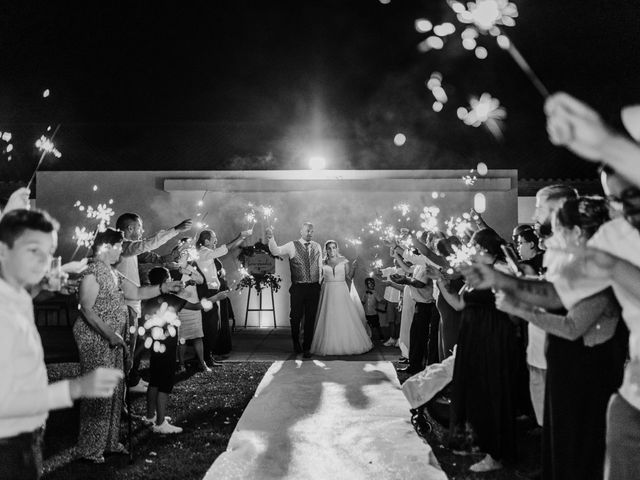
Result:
x=25 y=393
x=302 y=255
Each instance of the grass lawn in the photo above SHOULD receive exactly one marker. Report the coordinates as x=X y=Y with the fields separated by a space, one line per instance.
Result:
x=207 y=407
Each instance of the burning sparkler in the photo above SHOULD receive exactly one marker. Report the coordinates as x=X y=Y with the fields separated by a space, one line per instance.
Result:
x=429 y=218
x=486 y=111
x=159 y=326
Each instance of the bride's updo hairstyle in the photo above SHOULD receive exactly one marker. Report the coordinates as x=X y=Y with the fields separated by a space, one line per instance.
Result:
x=326 y=244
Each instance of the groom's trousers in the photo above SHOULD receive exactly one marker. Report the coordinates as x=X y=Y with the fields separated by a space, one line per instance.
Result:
x=304 y=303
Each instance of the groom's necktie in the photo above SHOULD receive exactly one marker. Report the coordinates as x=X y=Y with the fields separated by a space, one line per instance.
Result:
x=307 y=261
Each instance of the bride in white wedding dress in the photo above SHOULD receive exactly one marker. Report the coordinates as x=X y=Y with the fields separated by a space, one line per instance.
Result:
x=340 y=322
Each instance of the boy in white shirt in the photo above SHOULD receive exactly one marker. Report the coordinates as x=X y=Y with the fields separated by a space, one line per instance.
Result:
x=28 y=240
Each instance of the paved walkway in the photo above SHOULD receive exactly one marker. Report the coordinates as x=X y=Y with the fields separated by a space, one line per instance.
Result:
x=249 y=344
x=270 y=344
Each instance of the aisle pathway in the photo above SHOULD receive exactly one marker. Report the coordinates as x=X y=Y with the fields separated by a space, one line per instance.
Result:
x=327 y=419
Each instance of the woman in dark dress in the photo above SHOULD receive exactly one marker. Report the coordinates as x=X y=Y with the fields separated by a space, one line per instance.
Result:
x=222 y=347
x=586 y=351
x=485 y=373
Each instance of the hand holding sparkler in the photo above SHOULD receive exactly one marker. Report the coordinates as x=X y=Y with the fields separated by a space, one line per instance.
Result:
x=18 y=200
x=573 y=124
x=184 y=225
x=479 y=275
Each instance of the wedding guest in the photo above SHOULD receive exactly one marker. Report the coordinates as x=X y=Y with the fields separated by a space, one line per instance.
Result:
x=134 y=244
x=162 y=364
x=586 y=351
x=208 y=252
x=305 y=262
x=484 y=385
x=531 y=255
x=190 y=315
x=371 y=301
x=99 y=333
x=423 y=350
x=575 y=125
x=392 y=297
x=27 y=241
x=223 y=345
x=450 y=319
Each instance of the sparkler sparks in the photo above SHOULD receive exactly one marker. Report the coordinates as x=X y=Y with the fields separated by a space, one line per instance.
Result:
x=470 y=179
x=485 y=15
x=486 y=111
x=429 y=218
x=83 y=237
x=463 y=255
x=45 y=145
x=458 y=226
x=159 y=326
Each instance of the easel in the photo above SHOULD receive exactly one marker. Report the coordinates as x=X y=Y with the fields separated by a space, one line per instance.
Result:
x=260 y=309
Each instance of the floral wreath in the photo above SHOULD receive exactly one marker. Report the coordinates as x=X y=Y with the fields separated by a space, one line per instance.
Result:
x=258 y=281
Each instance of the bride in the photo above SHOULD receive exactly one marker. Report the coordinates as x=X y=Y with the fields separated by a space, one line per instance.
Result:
x=340 y=323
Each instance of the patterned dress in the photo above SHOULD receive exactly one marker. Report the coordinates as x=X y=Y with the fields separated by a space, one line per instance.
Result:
x=100 y=418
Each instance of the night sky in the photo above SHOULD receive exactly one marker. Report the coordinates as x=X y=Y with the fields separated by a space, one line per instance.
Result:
x=234 y=84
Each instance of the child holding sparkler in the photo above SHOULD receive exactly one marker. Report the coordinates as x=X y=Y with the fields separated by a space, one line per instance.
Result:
x=162 y=361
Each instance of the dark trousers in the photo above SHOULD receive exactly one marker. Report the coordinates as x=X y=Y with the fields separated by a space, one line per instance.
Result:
x=135 y=345
x=304 y=303
x=210 y=329
x=21 y=456
x=423 y=336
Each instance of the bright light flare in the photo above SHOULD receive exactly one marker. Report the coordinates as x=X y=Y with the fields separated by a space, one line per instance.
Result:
x=399 y=139
x=317 y=163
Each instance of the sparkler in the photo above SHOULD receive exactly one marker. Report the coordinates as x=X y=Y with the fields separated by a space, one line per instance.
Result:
x=458 y=226
x=486 y=111
x=469 y=180
x=486 y=16
x=429 y=216
x=102 y=213
x=45 y=145
x=462 y=255
x=159 y=326
x=6 y=137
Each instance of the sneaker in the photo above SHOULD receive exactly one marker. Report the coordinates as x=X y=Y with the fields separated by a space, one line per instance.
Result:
x=165 y=428
x=390 y=343
x=140 y=387
x=152 y=420
x=397 y=344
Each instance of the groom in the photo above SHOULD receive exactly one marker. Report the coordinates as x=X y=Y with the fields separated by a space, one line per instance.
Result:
x=305 y=262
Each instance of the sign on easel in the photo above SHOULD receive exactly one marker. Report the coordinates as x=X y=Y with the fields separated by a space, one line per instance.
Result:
x=260 y=263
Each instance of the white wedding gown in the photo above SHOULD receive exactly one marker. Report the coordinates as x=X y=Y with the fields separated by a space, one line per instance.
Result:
x=340 y=322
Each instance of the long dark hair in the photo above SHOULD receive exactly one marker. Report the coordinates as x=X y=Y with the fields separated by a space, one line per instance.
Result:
x=490 y=241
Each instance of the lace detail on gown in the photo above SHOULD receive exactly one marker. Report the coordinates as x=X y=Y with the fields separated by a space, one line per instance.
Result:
x=340 y=324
